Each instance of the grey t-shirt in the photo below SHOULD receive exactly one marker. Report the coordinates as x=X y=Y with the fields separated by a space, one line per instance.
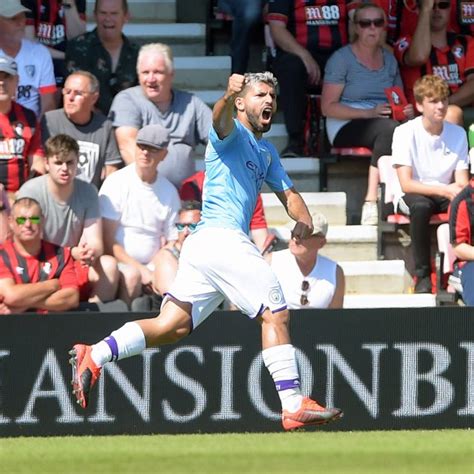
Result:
x=64 y=223
x=188 y=121
x=363 y=88
x=96 y=139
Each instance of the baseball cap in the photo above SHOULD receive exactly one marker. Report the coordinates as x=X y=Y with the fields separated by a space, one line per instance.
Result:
x=154 y=136
x=8 y=65
x=10 y=8
x=320 y=223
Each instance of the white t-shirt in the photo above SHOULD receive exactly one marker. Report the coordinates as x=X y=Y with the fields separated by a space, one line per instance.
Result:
x=322 y=280
x=146 y=211
x=36 y=74
x=433 y=158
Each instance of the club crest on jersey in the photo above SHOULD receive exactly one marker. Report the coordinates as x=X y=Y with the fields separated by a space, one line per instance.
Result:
x=458 y=51
x=18 y=127
x=30 y=70
x=19 y=270
x=402 y=44
x=275 y=296
x=47 y=268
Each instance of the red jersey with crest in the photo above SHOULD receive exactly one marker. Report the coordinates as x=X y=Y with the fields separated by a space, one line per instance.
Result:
x=20 y=137
x=48 y=18
x=52 y=262
x=402 y=17
x=453 y=63
x=316 y=24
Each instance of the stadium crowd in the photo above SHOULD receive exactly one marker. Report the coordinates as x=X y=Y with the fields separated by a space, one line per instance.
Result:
x=97 y=169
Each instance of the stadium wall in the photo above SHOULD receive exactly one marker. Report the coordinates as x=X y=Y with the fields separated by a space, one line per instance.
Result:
x=387 y=369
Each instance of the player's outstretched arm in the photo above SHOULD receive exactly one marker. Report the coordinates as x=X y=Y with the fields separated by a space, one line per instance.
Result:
x=222 y=113
x=298 y=211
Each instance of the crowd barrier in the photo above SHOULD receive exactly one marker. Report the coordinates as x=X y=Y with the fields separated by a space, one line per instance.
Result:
x=386 y=368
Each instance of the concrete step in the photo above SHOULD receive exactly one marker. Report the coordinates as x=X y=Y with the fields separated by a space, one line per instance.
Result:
x=332 y=205
x=344 y=243
x=211 y=72
x=376 y=277
x=401 y=300
x=144 y=10
x=185 y=39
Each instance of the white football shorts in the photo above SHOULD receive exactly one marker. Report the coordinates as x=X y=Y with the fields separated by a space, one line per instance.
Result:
x=217 y=263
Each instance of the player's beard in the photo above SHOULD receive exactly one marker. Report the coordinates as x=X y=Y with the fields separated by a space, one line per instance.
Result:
x=257 y=126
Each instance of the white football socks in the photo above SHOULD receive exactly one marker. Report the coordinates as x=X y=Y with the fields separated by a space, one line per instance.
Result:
x=281 y=363
x=125 y=342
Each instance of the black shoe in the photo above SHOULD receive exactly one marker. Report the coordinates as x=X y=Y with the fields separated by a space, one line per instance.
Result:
x=423 y=285
x=292 y=151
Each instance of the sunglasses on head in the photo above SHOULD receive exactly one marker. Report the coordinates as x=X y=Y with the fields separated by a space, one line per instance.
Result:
x=304 y=295
x=180 y=226
x=366 y=23
x=21 y=220
x=441 y=5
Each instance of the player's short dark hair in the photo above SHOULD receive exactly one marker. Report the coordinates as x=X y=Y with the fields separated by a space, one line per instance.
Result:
x=61 y=146
x=252 y=78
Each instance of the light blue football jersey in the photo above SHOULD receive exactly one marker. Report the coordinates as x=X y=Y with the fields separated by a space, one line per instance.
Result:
x=236 y=168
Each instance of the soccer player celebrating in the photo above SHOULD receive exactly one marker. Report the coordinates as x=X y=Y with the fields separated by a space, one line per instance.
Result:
x=218 y=260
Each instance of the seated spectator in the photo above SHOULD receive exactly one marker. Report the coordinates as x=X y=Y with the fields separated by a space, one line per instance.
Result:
x=309 y=280
x=183 y=114
x=461 y=226
x=106 y=52
x=4 y=214
x=432 y=49
x=167 y=258
x=353 y=97
x=432 y=164
x=37 y=85
x=191 y=190
x=53 y=24
x=139 y=208
x=98 y=152
x=403 y=17
x=72 y=218
x=305 y=38
x=21 y=153
x=247 y=14
x=34 y=274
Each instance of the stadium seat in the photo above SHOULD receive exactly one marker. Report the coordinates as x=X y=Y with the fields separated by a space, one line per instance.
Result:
x=389 y=221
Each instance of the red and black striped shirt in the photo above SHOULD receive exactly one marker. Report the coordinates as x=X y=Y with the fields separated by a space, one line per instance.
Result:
x=320 y=26
x=461 y=217
x=20 y=138
x=52 y=262
x=47 y=16
x=453 y=63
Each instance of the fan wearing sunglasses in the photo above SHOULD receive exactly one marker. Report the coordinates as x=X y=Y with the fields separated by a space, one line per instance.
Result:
x=353 y=97
x=434 y=49
x=35 y=275
x=308 y=279
x=167 y=258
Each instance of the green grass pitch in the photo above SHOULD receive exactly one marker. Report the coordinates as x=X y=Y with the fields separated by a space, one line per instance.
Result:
x=398 y=452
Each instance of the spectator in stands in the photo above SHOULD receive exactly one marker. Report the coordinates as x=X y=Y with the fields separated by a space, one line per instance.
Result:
x=139 y=208
x=98 y=152
x=167 y=258
x=191 y=190
x=53 y=24
x=353 y=97
x=37 y=85
x=106 y=52
x=155 y=101
x=432 y=163
x=21 y=153
x=403 y=17
x=461 y=226
x=247 y=14
x=72 y=218
x=305 y=38
x=309 y=280
x=432 y=49
x=34 y=274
